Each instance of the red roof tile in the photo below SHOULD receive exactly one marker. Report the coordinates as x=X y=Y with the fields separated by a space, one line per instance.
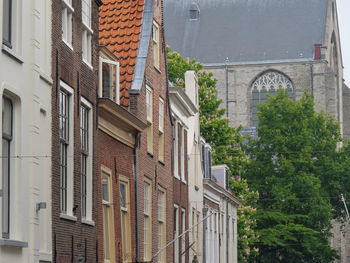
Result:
x=120 y=28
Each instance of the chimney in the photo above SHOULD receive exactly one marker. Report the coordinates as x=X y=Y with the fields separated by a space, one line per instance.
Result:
x=317 y=51
x=191 y=86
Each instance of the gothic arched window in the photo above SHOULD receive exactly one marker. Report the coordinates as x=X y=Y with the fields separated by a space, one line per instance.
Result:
x=268 y=83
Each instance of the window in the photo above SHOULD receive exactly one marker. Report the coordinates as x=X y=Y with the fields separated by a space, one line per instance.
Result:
x=67 y=17
x=86 y=158
x=194 y=241
x=7 y=23
x=155 y=38
x=64 y=143
x=66 y=148
x=87 y=31
x=161 y=130
x=268 y=83
x=147 y=234
x=109 y=80
x=125 y=221
x=161 y=226
x=198 y=219
x=108 y=218
x=176 y=234
x=7 y=137
x=176 y=150
x=183 y=238
x=182 y=152
x=149 y=112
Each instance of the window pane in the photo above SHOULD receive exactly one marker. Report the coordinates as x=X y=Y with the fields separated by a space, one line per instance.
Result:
x=5 y=188
x=6 y=22
x=106 y=229
x=146 y=198
x=105 y=195
x=6 y=117
x=161 y=114
x=83 y=184
x=123 y=195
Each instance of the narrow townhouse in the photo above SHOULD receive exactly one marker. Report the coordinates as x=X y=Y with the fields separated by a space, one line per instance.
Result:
x=195 y=172
x=118 y=139
x=74 y=53
x=182 y=108
x=25 y=89
x=228 y=215
x=219 y=212
x=140 y=166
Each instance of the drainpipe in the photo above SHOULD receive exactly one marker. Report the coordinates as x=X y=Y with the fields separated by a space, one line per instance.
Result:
x=136 y=160
x=311 y=79
x=226 y=73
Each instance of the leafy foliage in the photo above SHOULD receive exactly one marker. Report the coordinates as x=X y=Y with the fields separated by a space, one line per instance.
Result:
x=225 y=142
x=299 y=174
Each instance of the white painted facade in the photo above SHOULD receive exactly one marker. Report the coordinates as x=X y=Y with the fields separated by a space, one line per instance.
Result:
x=25 y=79
x=195 y=172
x=221 y=227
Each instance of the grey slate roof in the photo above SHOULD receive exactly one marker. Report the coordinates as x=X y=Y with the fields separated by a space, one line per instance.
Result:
x=245 y=30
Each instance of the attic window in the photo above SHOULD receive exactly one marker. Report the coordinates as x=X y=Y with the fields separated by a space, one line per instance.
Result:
x=194 y=12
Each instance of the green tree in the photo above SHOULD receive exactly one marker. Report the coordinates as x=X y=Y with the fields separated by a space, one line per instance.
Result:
x=297 y=170
x=225 y=142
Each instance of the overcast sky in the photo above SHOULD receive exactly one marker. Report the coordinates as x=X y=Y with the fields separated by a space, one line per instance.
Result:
x=344 y=24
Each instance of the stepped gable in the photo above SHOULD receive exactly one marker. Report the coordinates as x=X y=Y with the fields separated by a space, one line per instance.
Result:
x=120 y=29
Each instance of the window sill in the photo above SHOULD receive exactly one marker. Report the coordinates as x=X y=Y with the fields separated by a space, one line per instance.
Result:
x=150 y=154
x=87 y=222
x=46 y=78
x=67 y=44
x=13 y=243
x=177 y=177
x=157 y=69
x=68 y=217
x=12 y=54
x=88 y=64
x=183 y=181
x=161 y=162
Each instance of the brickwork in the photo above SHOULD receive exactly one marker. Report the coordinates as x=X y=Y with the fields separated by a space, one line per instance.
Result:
x=73 y=239
x=119 y=159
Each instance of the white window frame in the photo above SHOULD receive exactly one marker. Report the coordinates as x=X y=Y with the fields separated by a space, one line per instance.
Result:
x=117 y=90
x=183 y=238
x=108 y=205
x=176 y=150
x=161 y=225
x=89 y=180
x=176 y=234
x=161 y=115
x=147 y=239
x=126 y=248
x=182 y=154
x=156 y=44
x=68 y=214
x=149 y=104
x=67 y=23
x=7 y=191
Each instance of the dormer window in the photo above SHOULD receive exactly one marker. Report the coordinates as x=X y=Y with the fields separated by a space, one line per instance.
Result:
x=194 y=12
x=109 y=80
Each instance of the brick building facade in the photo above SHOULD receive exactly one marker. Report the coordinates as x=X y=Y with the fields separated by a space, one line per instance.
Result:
x=74 y=163
x=133 y=31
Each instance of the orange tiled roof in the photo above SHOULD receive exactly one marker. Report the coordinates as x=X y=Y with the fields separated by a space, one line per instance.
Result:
x=120 y=30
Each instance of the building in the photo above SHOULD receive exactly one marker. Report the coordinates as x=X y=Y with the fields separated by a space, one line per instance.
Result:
x=133 y=32
x=219 y=213
x=118 y=140
x=74 y=53
x=260 y=56
x=254 y=48
x=195 y=172
x=25 y=88
x=182 y=109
